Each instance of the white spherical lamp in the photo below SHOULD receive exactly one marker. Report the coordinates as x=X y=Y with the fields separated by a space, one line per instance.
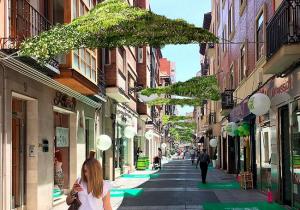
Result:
x=149 y=134
x=213 y=142
x=231 y=128
x=129 y=132
x=144 y=98
x=259 y=104
x=163 y=145
x=103 y=142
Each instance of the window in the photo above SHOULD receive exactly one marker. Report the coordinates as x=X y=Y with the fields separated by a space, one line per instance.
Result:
x=224 y=40
x=131 y=84
x=259 y=36
x=230 y=21
x=85 y=61
x=243 y=4
x=107 y=56
x=242 y=62
x=122 y=53
x=218 y=14
x=140 y=55
x=231 y=77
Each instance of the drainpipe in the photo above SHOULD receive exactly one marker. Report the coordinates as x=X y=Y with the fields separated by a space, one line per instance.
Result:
x=3 y=137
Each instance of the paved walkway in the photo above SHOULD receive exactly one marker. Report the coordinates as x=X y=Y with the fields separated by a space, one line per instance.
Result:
x=177 y=187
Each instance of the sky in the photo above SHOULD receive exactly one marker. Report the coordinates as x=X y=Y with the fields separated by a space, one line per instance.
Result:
x=186 y=57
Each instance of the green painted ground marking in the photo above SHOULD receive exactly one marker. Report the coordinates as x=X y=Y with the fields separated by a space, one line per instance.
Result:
x=242 y=206
x=140 y=176
x=126 y=192
x=219 y=186
x=56 y=193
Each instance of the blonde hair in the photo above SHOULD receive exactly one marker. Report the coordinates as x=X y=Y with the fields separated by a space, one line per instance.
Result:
x=95 y=182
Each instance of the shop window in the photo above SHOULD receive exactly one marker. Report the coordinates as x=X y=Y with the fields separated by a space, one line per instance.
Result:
x=61 y=154
x=266 y=176
x=259 y=36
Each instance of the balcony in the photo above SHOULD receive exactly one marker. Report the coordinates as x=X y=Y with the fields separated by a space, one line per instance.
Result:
x=26 y=22
x=116 y=87
x=283 y=38
x=144 y=111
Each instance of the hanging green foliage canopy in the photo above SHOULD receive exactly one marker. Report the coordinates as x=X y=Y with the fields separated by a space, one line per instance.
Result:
x=186 y=134
x=113 y=23
x=175 y=101
x=173 y=118
x=199 y=88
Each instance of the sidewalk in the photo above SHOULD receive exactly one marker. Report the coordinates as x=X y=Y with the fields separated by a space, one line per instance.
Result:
x=122 y=183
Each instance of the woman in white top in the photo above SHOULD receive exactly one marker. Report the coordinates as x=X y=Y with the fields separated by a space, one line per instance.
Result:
x=93 y=191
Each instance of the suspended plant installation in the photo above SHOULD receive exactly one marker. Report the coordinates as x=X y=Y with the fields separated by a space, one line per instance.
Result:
x=113 y=23
x=175 y=101
x=199 y=88
x=174 y=118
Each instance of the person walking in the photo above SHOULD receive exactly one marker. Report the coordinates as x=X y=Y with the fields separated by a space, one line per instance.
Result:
x=204 y=161
x=90 y=191
x=159 y=157
x=193 y=155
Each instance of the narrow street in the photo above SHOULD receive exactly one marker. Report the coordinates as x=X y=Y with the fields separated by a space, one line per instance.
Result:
x=177 y=186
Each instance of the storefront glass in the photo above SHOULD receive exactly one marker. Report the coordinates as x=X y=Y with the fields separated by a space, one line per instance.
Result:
x=295 y=137
x=121 y=148
x=265 y=155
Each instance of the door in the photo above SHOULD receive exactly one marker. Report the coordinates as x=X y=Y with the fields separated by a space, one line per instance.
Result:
x=224 y=153
x=285 y=156
x=18 y=195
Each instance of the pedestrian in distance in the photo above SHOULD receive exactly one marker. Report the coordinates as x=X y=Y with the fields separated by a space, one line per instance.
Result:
x=159 y=157
x=90 y=191
x=193 y=155
x=204 y=161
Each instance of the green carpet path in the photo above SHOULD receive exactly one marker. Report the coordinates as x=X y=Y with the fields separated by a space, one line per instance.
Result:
x=136 y=192
x=242 y=206
x=219 y=186
x=140 y=176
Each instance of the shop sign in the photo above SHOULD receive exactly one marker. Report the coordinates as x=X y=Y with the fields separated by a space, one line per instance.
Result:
x=64 y=101
x=240 y=111
x=62 y=137
x=277 y=86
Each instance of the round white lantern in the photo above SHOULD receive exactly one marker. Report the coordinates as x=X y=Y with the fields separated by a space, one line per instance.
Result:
x=231 y=128
x=129 y=132
x=144 y=98
x=149 y=134
x=103 y=142
x=213 y=142
x=259 y=104
x=163 y=145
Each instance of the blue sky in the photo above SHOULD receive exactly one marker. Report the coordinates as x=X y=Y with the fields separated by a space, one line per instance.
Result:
x=186 y=57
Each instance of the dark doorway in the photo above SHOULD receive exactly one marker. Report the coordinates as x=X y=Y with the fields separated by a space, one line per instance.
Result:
x=285 y=155
x=18 y=153
x=224 y=154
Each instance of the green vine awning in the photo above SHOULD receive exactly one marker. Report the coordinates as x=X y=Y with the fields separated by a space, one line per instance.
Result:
x=199 y=88
x=113 y=23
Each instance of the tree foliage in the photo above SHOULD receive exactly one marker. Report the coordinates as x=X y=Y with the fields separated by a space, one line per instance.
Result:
x=113 y=23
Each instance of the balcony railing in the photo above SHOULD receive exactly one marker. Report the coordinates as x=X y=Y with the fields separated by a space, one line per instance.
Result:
x=284 y=27
x=25 y=22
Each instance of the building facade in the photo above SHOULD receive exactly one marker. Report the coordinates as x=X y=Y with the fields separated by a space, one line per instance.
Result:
x=258 y=52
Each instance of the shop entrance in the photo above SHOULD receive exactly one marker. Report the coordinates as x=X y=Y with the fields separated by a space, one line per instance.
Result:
x=286 y=181
x=62 y=151
x=224 y=154
x=18 y=194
